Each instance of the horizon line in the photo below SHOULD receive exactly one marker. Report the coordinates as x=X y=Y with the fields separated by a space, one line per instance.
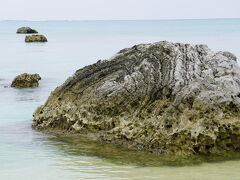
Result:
x=121 y=19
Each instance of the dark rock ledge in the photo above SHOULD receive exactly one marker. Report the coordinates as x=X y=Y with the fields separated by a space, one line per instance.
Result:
x=166 y=98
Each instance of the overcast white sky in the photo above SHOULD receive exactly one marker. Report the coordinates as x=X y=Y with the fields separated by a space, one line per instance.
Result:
x=117 y=9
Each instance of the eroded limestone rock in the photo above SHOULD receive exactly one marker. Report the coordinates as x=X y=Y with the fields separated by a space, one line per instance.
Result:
x=26 y=30
x=169 y=98
x=35 y=38
x=26 y=81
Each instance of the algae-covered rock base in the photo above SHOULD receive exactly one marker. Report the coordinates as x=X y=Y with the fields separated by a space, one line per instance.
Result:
x=26 y=30
x=35 y=38
x=26 y=81
x=166 y=98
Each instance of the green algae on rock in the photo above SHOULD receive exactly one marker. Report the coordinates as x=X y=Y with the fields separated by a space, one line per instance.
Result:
x=35 y=38
x=26 y=30
x=26 y=81
x=166 y=98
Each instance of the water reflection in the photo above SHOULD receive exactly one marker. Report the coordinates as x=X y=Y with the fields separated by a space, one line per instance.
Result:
x=85 y=146
x=26 y=95
x=33 y=154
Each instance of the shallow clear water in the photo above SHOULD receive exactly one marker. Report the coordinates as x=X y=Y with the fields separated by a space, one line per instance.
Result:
x=27 y=154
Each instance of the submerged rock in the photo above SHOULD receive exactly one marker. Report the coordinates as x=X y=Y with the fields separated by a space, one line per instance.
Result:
x=26 y=81
x=36 y=38
x=169 y=98
x=26 y=30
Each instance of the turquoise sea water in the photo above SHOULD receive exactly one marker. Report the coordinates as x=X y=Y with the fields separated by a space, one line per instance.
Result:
x=26 y=154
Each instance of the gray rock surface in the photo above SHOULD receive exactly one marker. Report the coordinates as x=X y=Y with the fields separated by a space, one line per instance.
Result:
x=26 y=81
x=165 y=97
x=26 y=30
x=35 y=38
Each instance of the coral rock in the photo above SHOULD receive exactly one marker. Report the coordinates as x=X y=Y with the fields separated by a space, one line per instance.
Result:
x=35 y=38
x=26 y=81
x=26 y=30
x=166 y=98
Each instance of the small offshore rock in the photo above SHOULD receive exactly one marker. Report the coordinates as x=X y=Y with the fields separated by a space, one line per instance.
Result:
x=36 y=38
x=26 y=30
x=166 y=98
x=26 y=81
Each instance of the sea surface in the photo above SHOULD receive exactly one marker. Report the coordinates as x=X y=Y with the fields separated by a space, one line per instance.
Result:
x=29 y=155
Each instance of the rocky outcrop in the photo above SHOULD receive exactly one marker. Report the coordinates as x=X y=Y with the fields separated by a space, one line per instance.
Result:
x=26 y=30
x=167 y=98
x=35 y=38
x=26 y=81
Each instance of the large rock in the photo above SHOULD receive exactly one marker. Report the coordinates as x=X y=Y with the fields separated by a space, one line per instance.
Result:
x=26 y=81
x=164 y=97
x=26 y=30
x=35 y=38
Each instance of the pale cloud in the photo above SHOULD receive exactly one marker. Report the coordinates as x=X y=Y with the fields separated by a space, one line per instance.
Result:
x=117 y=9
